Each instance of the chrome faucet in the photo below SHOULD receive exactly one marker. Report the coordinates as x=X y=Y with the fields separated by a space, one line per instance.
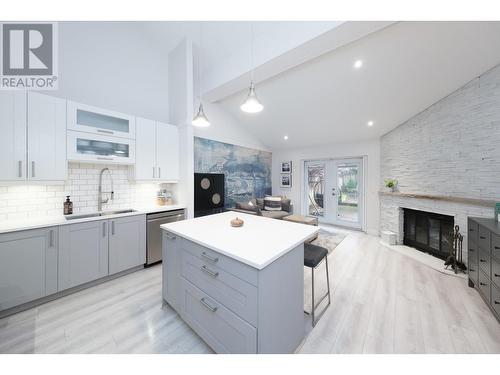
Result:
x=100 y=201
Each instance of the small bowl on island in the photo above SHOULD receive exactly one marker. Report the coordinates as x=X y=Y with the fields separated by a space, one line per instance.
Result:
x=236 y=223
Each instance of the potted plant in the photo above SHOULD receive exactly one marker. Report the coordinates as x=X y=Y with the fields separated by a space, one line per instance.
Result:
x=391 y=184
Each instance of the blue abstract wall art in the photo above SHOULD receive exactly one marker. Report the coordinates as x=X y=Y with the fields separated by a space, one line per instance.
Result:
x=247 y=171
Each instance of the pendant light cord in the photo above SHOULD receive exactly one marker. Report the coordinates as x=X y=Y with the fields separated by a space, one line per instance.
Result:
x=251 y=52
x=199 y=63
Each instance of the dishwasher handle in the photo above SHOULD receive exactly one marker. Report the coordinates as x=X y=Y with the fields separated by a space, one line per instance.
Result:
x=167 y=219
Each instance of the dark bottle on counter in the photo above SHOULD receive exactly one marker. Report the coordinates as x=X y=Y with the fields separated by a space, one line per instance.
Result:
x=68 y=206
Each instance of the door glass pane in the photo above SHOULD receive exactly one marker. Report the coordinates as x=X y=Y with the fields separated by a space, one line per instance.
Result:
x=348 y=194
x=93 y=147
x=98 y=120
x=316 y=189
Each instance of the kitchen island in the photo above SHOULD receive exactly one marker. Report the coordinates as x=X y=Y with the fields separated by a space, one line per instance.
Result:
x=239 y=289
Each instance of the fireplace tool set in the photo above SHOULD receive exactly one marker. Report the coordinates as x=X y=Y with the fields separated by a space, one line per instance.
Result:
x=455 y=258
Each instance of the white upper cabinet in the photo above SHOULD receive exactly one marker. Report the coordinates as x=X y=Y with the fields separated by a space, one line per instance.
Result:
x=13 y=128
x=85 y=118
x=46 y=138
x=33 y=137
x=167 y=151
x=145 y=142
x=157 y=151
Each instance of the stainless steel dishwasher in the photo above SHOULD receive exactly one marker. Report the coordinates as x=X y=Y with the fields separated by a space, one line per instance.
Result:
x=153 y=254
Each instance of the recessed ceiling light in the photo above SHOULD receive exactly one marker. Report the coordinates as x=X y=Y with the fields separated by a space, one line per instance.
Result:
x=285 y=137
x=370 y=123
x=358 y=64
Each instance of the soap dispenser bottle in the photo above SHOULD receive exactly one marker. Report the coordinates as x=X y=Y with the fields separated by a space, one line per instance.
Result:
x=68 y=206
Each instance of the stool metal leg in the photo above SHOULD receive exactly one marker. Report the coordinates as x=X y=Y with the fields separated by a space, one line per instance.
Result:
x=312 y=294
x=313 y=307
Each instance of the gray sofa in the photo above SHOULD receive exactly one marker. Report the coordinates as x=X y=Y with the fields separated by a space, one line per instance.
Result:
x=257 y=208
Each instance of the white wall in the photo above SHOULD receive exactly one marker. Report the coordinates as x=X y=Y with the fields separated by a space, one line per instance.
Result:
x=114 y=66
x=370 y=149
x=181 y=109
x=225 y=128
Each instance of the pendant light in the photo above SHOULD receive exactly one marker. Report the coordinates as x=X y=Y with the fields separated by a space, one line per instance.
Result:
x=251 y=104
x=200 y=120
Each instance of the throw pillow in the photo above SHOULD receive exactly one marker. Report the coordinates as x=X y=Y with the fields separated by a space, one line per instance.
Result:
x=272 y=203
x=260 y=203
x=245 y=206
x=286 y=204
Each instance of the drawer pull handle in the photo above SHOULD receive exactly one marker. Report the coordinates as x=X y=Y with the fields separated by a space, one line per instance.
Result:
x=472 y=270
x=105 y=131
x=471 y=230
x=482 y=260
x=210 y=258
x=210 y=272
x=483 y=284
x=207 y=305
x=472 y=250
x=497 y=247
x=497 y=303
x=496 y=275
x=482 y=237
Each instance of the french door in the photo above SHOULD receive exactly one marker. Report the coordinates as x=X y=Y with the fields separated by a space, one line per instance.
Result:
x=334 y=191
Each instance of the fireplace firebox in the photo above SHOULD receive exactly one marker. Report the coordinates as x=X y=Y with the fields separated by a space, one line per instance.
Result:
x=428 y=231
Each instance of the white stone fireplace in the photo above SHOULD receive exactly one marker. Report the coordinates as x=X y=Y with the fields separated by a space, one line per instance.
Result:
x=392 y=204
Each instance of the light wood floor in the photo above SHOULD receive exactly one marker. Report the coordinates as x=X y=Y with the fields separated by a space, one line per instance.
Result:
x=382 y=302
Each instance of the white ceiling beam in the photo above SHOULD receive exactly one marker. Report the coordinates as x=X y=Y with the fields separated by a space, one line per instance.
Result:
x=233 y=76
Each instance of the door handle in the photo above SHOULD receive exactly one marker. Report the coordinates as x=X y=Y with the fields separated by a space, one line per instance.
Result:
x=154 y=175
x=210 y=258
x=20 y=168
x=104 y=229
x=159 y=172
x=207 y=305
x=51 y=238
x=33 y=169
x=113 y=228
x=482 y=237
x=102 y=158
x=210 y=272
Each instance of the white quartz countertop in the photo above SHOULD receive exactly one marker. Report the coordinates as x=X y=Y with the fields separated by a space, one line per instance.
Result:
x=50 y=221
x=258 y=243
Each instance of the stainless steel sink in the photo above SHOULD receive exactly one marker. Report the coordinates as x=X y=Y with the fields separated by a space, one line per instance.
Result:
x=98 y=214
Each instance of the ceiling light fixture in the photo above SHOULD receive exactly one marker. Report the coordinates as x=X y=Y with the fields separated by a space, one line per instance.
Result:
x=252 y=103
x=370 y=123
x=358 y=64
x=200 y=120
x=285 y=137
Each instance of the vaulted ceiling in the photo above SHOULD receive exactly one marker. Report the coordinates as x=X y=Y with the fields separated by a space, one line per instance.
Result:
x=407 y=66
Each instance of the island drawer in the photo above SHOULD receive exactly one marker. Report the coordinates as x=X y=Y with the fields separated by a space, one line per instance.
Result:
x=234 y=293
x=219 y=327
x=239 y=269
x=484 y=239
x=485 y=262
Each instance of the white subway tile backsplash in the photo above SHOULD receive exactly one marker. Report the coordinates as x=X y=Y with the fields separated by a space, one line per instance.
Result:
x=32 y=201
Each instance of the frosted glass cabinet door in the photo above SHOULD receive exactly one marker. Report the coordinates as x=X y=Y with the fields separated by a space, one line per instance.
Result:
x=85 y=118
x=13 y=135
x=46 y=138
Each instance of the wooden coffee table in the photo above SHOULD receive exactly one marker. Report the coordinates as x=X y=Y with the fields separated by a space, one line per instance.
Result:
x=308 y=220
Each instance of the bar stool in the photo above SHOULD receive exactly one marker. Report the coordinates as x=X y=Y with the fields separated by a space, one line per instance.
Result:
x=313 y=256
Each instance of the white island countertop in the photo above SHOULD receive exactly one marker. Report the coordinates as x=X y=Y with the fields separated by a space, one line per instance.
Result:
x=258 y=243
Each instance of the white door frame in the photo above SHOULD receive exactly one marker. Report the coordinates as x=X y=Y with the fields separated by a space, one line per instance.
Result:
x=362 y=191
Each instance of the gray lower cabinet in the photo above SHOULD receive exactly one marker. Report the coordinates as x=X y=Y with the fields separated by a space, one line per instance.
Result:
x=28 y=266
x=234 y=307
x=127 y=243
x=83 y=253
x=484 y=260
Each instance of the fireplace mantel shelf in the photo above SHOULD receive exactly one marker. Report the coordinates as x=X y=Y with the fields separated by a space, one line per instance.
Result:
x=473 y=201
